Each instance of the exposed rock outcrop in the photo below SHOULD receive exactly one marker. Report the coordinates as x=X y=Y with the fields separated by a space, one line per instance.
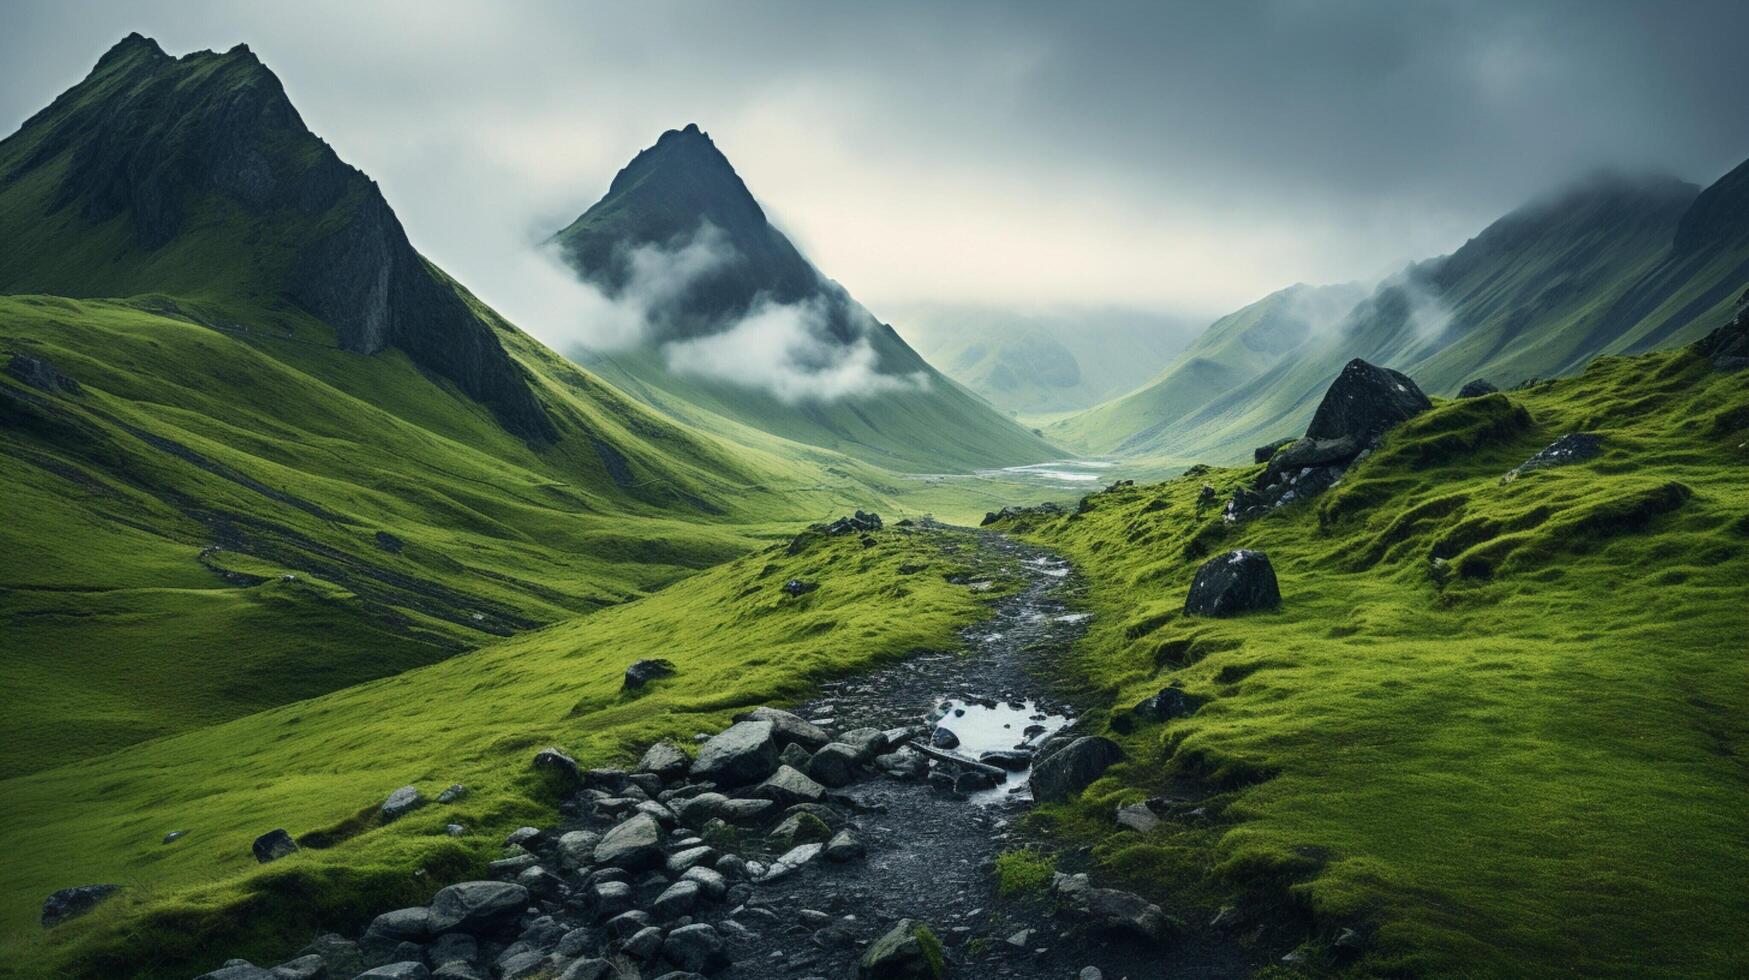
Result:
x=1236 y=582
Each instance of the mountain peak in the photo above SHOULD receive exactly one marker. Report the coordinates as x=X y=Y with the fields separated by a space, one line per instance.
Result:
x=135 y=44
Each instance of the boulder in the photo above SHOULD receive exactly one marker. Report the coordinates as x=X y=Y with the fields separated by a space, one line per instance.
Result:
x=408 y=925
x=1574 y=447
x=402 y=802
x=558 y=767
x=844 y=846
x=1236 y=582
x=1304 y=453
x=795 y=757
x=834 y=765
x=590 y=968
x=633 y=845
x=797 y=587
x=1013 y=760
x=1109 y=908
x=712 y=884
x=868 y=742
x=697 y=948
x=800 y=828
x=645 y=671
x=70 y=903
x=1137 y=817
x=665 y=759
x=577 y=849
x=788 y=728
x=1170 y=703
x=610 y=898
x=1066 y=772
x=745 y=752
x=1727 y=347
x=1477 y=388
x=310 y=967
x=909 y=951
x=1364 y=402
x=477 y=907
x=787 y=787
x=792 y=860
x=676 y=900
x=943 y=738
x=273 y=845
x=454 y=794
x=1262 y=454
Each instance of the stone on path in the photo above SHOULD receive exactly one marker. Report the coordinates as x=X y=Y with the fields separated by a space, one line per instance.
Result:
x=788 y=728
x=743 y=753
x=833 y=764
x=787 y=787
x=909 y=951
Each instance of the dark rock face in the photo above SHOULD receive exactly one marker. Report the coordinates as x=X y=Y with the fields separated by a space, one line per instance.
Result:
x=1233 y=583
x=157 y=139
x=41 y=374
x=273 y=845
x=1575 y=447
x=1728 y=346
x=645 y=671
x=70 y=903
x=1477 y=388
x=1071 y=769
x=1364 y=401
x=1262 y=454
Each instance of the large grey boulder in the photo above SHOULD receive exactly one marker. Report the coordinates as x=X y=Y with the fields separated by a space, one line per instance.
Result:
x=909 y=951
x=402 y=802
x=1073 y=768
x=833 y=764
x=477 y=907
x=787 y=787
x=697 y=948
x=273 y=845
x=788 y=728
x=70 y=903
x=666 y=760
x=1364 y=402
x=745 y=752
x=1236 y=582
x=634 y=845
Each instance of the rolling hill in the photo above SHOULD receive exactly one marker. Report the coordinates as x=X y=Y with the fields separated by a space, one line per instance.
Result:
x=738 y=323
x=1611 y=265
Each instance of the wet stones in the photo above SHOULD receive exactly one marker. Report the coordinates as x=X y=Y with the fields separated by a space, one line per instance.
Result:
x=477 y=907
x=1073 y=768
x=644 y=671
x=273 y=845
x=70 y=903
x=745 y=752
x=908 y=951
x=634 y=845
x=1236 y=582
x=1013 y=760
x=402 y=802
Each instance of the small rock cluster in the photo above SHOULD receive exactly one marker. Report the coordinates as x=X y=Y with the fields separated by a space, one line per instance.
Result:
x=1362 y=404
x=1046 y=509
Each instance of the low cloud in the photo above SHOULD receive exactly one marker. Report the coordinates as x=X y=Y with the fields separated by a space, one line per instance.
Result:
x=787 y=350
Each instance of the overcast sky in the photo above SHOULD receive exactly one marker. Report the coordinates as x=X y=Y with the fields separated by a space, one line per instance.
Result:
x=1184 y=157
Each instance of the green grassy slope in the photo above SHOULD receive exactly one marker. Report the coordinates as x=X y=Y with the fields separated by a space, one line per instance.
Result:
x=1534 y=765
x=1593 y=271
x=1227 y=357
x=475 y=719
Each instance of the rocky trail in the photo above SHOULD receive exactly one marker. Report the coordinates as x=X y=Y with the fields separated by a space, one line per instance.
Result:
x=854 y=836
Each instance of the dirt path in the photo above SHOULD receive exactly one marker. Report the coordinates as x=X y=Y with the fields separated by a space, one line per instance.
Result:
x=930 y=852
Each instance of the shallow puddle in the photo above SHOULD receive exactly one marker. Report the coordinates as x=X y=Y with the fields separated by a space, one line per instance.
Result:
x=991 y=726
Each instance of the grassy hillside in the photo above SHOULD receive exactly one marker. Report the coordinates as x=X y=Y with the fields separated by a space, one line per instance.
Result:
x=1592 y=271
x=1049 y=363
x=1528 y=761
x=325 y=764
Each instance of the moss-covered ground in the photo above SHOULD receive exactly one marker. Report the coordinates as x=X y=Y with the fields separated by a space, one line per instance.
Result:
x=1529 y=759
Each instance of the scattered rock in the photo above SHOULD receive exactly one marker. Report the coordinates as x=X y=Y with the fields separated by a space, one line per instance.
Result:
x=1477 y=388
x=797 y=587
x=696 y=947
x=1111 y=909
x=237 y=970
x=834 y=765
x=788 y=728
x=1236 y=582
x=909 y=951
x=70 y=903
x=786 y=787
x=1575 y=447
x=1137 y=817
x=559 y=767
x=41 y=373
x=273 y=845
x=844 y=846
x=800 y=828
x=477 y=907
x=743 y=753
x=676 y=900
x=1066 y=772
x=793 y=859
x=634 y=845
x=666 y=760
x=455 y=793
x=174 y=836
x=404 y=970
x=645 y=671
x=402 y=802
x=856 y=524
x=1170 y=703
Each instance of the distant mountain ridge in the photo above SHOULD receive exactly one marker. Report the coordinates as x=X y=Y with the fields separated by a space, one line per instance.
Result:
x=151 y=154
x=680 y=237
x=1610 y=265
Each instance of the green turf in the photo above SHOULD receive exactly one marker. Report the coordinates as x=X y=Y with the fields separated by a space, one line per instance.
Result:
x=475 y=719
x=1534 y=768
